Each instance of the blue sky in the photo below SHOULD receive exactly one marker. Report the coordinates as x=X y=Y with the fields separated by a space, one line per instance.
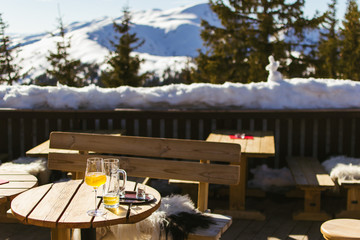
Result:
x=35 y=16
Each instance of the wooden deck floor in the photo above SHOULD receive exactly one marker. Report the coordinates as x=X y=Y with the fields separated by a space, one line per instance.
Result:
x=278 y=224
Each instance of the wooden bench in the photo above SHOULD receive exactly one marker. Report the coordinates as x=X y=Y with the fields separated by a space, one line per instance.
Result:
x=160 y=158
x=310 y=176
x=352 y=199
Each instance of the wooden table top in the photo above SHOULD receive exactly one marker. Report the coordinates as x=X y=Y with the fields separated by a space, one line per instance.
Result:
x=65 y=205
x=341 y=228
x=42 y=150
x=262 y=144
x=18 y=183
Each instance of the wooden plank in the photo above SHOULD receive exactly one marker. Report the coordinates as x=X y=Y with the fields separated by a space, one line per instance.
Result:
x=267 y=144
x=18 y=185
x=75 y=214
x=39 y=150
x=151 y=147
x=296 y=171
x=18 y=177
x=11 y=193
x=46 y=214
x=309 y=172
x=21 y=210
x=253 y=146
x=155 y=168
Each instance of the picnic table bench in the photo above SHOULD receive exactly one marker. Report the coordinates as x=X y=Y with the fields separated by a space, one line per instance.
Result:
x=160 y=158
x=312 y=178
x=352 y=199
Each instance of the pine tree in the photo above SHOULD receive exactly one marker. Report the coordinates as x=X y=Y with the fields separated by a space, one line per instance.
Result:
x=124 y=68
x=350 y=43
x=63 y=69
x=227 y=47
x=328 y=51
x=251 y=31
x=9 y=71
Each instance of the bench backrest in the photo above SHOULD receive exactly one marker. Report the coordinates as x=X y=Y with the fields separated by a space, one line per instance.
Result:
x=162 y=158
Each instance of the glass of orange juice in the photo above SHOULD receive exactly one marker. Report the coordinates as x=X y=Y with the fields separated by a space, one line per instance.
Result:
x=95 y=177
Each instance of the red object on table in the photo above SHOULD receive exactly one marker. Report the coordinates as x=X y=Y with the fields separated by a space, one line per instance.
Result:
x=239 y=137
x=3 y=181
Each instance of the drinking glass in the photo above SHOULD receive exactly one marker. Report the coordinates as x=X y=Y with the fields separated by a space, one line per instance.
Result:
x=95 y=177
x=115 y=182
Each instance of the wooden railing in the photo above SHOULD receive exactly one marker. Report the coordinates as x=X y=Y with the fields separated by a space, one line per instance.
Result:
x=316 y=133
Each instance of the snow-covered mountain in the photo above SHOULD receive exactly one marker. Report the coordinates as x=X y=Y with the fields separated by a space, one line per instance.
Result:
x=170 y=36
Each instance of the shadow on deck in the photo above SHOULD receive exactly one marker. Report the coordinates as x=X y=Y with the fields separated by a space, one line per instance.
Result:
x=279 y=223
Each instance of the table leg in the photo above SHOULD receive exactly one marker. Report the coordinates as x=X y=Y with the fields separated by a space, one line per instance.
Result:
x=238 y=192
x=60 y=234
x=237 y=197
x=88 y=233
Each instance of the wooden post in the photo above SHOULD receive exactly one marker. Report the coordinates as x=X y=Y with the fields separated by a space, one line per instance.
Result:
x=203 y=193
x=60 y=234
x=312 y=200
x=353 y=199
x=238 y=192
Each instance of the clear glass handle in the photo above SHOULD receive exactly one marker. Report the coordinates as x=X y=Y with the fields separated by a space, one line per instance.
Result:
x=122 y=172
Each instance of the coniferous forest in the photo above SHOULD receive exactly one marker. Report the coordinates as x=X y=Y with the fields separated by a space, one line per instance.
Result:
x=237 y=51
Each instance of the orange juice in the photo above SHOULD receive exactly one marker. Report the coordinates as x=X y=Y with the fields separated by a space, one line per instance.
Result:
x=111 y=200
x=95 y=179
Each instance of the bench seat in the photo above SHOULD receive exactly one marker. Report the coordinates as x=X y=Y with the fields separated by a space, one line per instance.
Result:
x=352 y=199
x=310 y=176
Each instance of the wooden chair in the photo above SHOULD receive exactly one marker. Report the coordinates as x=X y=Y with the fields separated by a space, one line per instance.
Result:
x=160 y=158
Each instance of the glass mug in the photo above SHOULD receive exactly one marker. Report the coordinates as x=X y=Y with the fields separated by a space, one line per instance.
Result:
x=115 y=184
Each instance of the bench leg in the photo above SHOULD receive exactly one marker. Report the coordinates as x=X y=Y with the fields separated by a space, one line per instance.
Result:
x=4 y=218
x=352 y=204
x=312 y=207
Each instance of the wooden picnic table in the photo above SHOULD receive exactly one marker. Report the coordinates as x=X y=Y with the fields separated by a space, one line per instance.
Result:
x=256 y=144
x=42 y=150
x=64 y=205
x=18 y=183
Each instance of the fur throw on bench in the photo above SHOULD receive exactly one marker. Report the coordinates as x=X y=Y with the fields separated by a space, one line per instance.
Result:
x=33 y=166
x=174 y=220
x=343 y=168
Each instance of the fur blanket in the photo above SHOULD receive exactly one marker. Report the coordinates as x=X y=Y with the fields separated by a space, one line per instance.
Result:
x=271 y=180
x=34 y=166
x=175 y=218
x=343 y=168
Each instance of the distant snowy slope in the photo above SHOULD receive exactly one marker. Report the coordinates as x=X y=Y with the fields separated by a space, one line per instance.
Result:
x=170 y=37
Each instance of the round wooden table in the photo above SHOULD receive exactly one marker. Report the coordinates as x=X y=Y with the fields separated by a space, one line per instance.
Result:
x=341 y=229
x=62 y=206
x=18 y=182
